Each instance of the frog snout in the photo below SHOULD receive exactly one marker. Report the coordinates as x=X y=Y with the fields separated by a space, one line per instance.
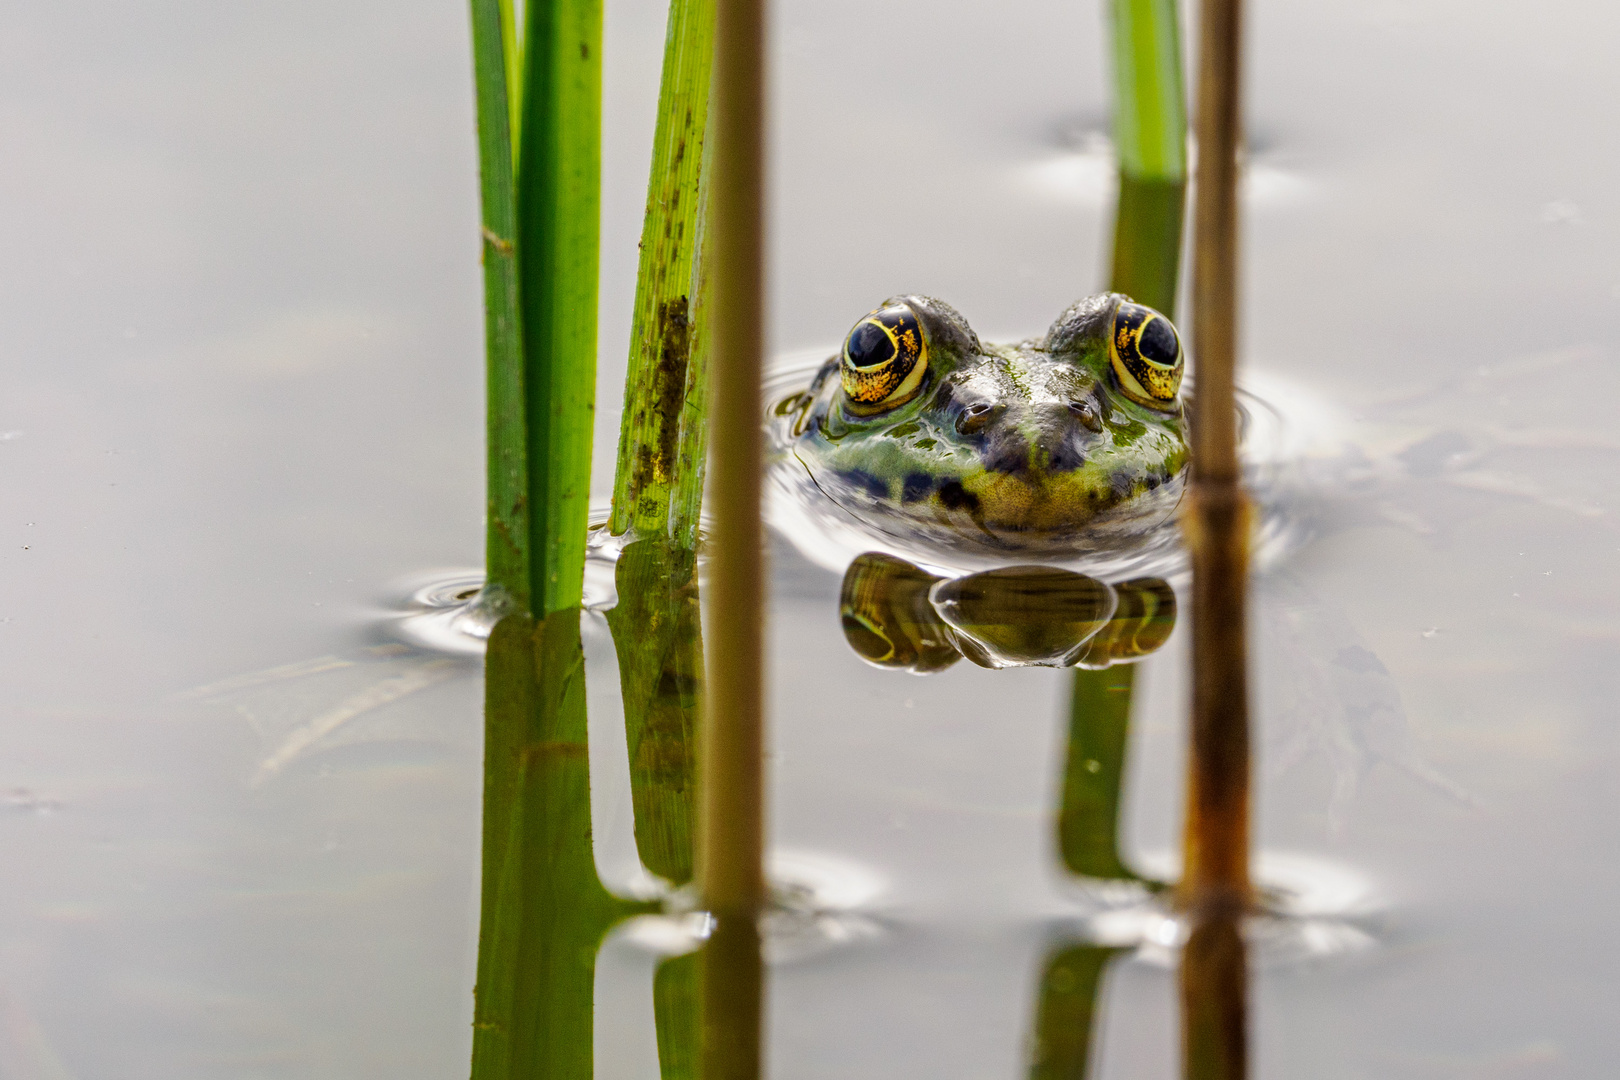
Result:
x=1065 y=432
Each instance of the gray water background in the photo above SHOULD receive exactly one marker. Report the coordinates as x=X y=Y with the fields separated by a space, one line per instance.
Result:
x=240 y=400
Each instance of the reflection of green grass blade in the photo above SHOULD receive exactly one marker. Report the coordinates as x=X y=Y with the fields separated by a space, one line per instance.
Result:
x=543 y=912
x=663 y=436
x=557 y=237
x=1150 y=111
x=675 y=1012
x=660 y=647
x=1099 y=728
x=1070 y=986
x=508 y=531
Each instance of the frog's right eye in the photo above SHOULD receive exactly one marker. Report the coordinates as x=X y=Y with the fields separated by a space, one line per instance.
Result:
x=885 y=358
x=1147 y=355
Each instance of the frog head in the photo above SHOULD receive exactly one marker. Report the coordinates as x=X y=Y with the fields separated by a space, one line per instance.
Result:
x=1045 y=446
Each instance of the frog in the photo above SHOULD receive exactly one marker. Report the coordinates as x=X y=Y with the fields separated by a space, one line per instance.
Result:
x=1047 y=447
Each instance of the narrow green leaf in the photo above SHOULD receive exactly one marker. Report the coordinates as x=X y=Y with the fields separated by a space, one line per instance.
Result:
x=558 y=235
x=1150 y=117
x=663 y=436
x=507 y=551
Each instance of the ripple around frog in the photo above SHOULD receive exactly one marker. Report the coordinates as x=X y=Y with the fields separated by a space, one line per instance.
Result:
x=1282 y=432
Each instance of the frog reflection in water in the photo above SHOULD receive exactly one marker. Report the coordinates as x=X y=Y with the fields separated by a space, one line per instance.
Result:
x=1044 y=447
x=896 y=615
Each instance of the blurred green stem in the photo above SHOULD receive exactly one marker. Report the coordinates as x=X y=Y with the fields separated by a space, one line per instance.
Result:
x=1150 y=110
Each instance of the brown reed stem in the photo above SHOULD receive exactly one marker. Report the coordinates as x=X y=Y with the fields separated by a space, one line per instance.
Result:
x=731 y=740
x=1216 y=512
x=1215 y=890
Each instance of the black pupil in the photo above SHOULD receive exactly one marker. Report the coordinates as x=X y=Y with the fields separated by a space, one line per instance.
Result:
x=869 y=346
x=1158 y=343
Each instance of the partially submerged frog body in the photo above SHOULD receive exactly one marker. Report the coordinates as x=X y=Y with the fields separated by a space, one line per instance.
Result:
x=1069 y=443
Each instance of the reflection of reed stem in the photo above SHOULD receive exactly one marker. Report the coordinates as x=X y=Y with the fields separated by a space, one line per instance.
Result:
x=732 y=1000
x=1214 y=989
x=1215 y=890
x=731 y=762
x=731 y=782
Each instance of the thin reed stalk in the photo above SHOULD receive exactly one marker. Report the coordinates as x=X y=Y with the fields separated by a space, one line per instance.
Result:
x=1216 y=515
x=1216 y=891
x=731 y=771
x=731 y=779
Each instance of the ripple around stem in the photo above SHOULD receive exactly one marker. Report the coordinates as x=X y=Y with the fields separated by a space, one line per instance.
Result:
x=1310 y=909
x=818 y=903
x=445 y=611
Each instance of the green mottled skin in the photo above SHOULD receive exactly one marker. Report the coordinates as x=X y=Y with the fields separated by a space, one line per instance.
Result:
x=1030 y=447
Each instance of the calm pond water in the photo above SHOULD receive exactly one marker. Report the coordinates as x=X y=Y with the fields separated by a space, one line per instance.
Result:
x=240 y=419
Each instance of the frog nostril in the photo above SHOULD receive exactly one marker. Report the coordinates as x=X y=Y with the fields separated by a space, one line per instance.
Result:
x=1087 y=413
x=975 y=417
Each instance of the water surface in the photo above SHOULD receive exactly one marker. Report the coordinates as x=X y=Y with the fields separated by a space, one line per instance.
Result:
x=241 y=415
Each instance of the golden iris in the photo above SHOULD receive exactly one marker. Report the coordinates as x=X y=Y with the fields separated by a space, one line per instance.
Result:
x=1147 y=355
x=885 y=358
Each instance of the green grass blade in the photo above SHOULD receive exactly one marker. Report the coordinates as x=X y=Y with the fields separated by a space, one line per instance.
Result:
x=1150 y=132
x=663 y=437
x=1150 y=117
x=507 y=551
x=676 y=1015
x=558 y=236
x=513 y=55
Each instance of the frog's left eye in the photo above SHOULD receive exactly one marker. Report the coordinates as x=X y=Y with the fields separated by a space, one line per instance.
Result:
x=1147 y=356
x=885 y=359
